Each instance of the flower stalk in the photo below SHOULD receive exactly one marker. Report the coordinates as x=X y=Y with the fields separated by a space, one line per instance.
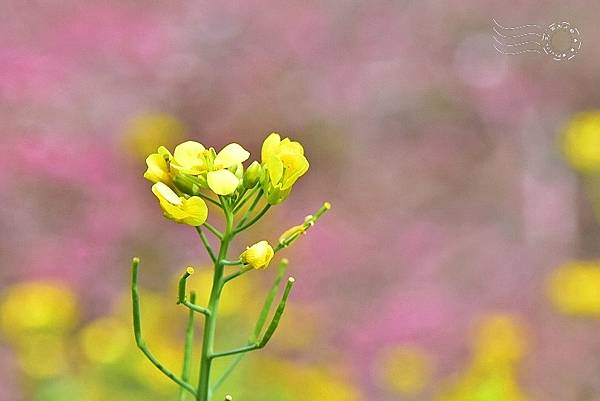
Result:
x=182 y=182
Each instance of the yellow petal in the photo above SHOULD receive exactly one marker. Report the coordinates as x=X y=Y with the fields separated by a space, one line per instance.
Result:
x=188 y=156
x=231 y=155
x=195 y=211
x=270 y=146
x=258 y=255
x=171 y=211
x=164 y=193
x=157 y=169
x=222 y=182
x=290 y=146
x=295 y=167
x=274 y=166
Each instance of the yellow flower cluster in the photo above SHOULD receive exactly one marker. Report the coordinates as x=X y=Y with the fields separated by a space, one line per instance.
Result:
x=181 y=177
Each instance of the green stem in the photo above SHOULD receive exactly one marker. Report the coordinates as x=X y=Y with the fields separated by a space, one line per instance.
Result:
x=231 y=262
x=238 y=273
x=251 y=208
x=262 y=317
x=137 y=329
x=206 y=244
x=259 y=323
x=260 y=214
x=227 y=372
x=181 y=292
x=213 y=230
x=188 y=348
x=208 y=198
x=245 y=199
x=203 y=390
x=270 y=330
x=196 y=308
x=278 y=313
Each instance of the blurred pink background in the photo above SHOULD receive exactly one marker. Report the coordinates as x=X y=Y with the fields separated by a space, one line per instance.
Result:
x=453 y=205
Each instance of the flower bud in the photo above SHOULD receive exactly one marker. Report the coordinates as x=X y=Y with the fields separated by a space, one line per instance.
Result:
x=291 y=234
x=189 y=184
x=252 y=175
x=258 y=255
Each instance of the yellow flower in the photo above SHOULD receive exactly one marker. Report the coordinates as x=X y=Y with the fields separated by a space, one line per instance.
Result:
x=500 y=341
x=258 y=255
x=114 y=336
x=574 y=288
x=190 y=157
x=192 y=211
x=158 y=166
x=50 y=307
x=193 y=158
x=284 y=162
x=145 y=132
x=404 y=369
x=581 y=141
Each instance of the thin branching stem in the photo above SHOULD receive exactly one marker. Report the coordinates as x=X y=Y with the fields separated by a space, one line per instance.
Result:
x=213 y=230
x=188 y=349
x=137 y=329
x=257 y=198
x=259 y=323
x=260 y=214
x=206 y=244
x=208 y=198
x=245 y=199
x=270 y=329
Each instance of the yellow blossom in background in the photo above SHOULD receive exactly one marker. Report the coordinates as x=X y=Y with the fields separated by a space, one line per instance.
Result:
x=500 y=385
x=403 y=369
x=574 y=289
x=499 y=344
x=37 y=306
x=581 y=142
x=169 y=353
x=105 y=340
x=258 y=256
x=300 y=329
x=192 y=211
x=284 y=163
x=43 y=355
x=160 y=329
x=283 y=380
x=145 y=132
x=500 y=340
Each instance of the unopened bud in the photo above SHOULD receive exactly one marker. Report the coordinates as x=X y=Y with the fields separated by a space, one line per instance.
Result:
x=291 y=234
x=252 y=175
x=258 y=255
